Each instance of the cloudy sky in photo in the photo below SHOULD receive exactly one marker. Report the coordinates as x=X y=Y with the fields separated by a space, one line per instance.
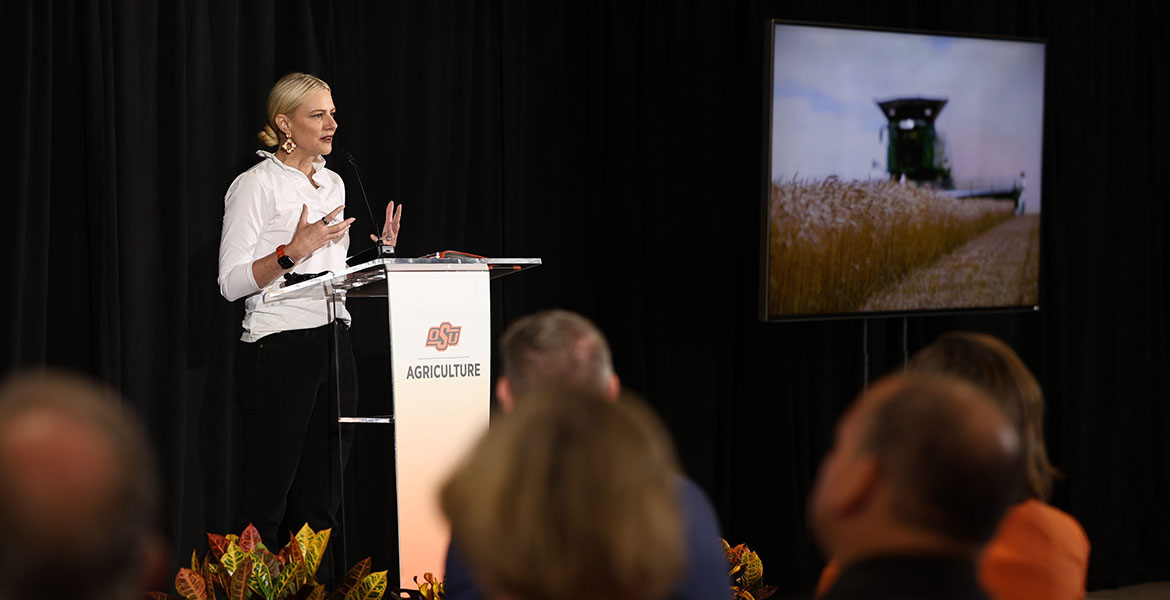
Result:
x=826 y=121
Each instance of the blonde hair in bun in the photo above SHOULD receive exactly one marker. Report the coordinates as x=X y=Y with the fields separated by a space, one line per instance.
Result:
x=287 y=94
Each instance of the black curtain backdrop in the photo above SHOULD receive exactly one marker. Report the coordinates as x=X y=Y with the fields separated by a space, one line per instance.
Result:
x=619 y=141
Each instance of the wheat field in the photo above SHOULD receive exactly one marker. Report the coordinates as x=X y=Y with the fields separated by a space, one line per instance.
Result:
x=998 y=268
x=835 y=243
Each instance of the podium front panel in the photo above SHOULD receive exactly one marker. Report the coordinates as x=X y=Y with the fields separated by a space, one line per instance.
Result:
x=440 y=349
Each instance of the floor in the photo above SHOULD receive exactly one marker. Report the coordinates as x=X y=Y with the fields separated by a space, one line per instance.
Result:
x=1158 y=590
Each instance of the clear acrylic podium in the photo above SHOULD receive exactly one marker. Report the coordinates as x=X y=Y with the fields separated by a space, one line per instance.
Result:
x=440 y=369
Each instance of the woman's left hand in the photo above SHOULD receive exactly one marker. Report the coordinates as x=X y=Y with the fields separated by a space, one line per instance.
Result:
x=393 y=223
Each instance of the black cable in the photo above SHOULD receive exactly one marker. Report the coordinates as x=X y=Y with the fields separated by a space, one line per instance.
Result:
x=362 y=187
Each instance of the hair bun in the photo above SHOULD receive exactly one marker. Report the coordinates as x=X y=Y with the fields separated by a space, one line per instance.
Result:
x=267 y=136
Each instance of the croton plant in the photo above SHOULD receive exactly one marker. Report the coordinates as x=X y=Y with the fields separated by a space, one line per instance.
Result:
x=239 y=567
x=747 y=573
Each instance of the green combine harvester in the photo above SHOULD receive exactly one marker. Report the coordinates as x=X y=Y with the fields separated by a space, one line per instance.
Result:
x=917 y=152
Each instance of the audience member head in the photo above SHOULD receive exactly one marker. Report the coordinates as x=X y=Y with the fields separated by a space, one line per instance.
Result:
x=569 y=497
x=554 y=348
x=992 y=365
x=921 y=464
x=78 y=493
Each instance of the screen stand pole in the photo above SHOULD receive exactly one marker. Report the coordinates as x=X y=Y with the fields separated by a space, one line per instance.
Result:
x=864 y=353
x=905 y=341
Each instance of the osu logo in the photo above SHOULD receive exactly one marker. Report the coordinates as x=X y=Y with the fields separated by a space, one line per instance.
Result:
x=444 y=336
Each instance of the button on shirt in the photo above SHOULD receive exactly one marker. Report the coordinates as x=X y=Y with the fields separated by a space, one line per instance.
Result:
x=262 y=209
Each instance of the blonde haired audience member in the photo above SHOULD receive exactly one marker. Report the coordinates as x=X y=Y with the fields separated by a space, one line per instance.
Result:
x=568 y=498
x=1039 y=552
x=559 y=349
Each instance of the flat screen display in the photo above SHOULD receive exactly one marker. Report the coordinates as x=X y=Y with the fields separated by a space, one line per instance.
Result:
x=903 y=173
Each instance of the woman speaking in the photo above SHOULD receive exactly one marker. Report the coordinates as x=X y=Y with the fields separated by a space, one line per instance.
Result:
x=285 y=214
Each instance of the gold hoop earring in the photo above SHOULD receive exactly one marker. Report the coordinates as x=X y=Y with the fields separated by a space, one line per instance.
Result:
x=289 y=145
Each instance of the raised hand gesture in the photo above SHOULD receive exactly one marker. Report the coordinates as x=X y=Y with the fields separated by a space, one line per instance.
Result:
x=393 y=223
x=311 y=236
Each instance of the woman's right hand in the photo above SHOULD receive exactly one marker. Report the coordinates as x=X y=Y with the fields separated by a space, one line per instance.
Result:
x=311 y=236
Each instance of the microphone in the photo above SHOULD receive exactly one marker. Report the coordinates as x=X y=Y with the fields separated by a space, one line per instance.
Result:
x=382 y=249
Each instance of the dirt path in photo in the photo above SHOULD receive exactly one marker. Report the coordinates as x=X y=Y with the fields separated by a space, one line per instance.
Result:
x=997 y=268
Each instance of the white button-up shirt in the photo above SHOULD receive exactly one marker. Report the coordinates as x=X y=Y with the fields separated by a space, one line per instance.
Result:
x=261 y=211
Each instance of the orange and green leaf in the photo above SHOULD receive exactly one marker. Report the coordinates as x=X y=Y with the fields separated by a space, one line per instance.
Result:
x=357 y=573
x=373 y=587
x=212 y=574
x=318 y=592
x=746 y=573
x=250 y=539
x=295 y=572
x=314 y=549
x=261 y=579
x=232 y=558
x=431 y=588
x=738 y=552
x=303 y=537
x=753 y=569
x=269 y=559
x=238 y=584
x=741 y=594
x=291 y=552
x=218 y=544
x=190 y=585
x=291 y=579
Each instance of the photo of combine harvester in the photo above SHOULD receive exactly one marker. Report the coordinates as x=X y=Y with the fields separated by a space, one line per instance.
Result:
x=940 y=210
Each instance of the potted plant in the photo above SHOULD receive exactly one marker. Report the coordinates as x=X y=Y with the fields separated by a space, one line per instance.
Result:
x=241 y=568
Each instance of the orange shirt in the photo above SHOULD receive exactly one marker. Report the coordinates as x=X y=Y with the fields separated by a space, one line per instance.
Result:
x=1038 y=553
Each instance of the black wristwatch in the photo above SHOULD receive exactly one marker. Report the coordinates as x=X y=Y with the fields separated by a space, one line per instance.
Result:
x=284 y=261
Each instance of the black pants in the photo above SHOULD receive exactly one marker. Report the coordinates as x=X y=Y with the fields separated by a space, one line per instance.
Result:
x=291 y=469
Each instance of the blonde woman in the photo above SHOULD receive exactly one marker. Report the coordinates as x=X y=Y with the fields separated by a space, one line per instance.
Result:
x=570 y=497
x=285 y=214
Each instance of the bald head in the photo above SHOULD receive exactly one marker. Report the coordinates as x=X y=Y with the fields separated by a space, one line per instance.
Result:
x=554 y=349
x=78 y=493
x=952 y=458
x=50 y=459
x=925 y=461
